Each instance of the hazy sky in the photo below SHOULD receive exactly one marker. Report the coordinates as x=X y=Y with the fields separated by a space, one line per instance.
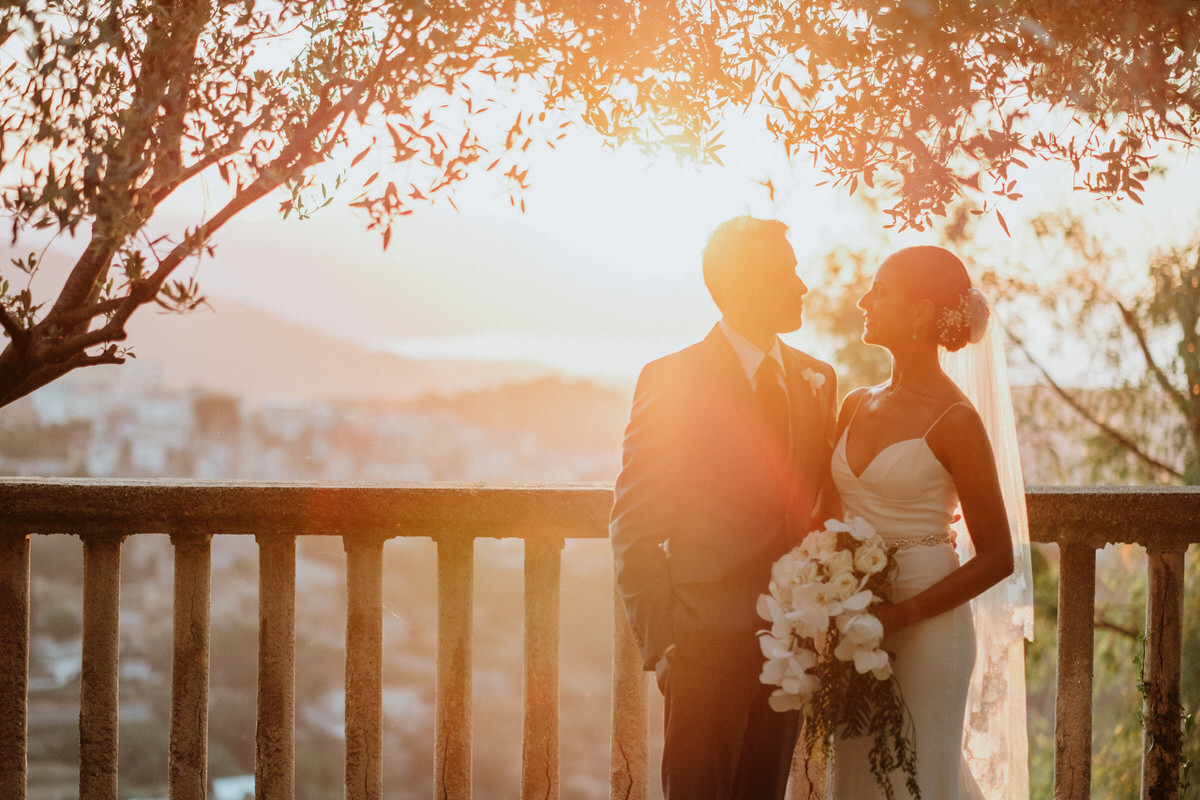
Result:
x=601 y=272
x=602 y=269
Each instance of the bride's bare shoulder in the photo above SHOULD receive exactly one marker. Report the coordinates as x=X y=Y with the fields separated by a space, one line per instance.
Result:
x=853 y=399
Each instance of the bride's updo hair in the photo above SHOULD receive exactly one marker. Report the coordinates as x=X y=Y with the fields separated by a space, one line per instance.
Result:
x=934 y=273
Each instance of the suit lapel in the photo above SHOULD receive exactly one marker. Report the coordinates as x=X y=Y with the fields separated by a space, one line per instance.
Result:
x=727 y=372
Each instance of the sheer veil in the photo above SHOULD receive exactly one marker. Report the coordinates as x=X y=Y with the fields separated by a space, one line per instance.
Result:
x=995 y=739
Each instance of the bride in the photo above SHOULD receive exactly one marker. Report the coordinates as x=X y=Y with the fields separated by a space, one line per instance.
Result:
x=913 y=457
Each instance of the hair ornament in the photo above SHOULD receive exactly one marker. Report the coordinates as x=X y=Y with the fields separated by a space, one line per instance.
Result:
x=964 y=321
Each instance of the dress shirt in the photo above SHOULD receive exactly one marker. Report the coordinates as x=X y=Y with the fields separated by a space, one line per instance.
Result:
x=749 y=356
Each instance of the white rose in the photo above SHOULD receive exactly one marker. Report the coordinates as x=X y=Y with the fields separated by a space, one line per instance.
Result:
x=819 y=542
x=784 y=570
x=870 y=559
x=809 y=573
x=839 y=562
x=844 y=585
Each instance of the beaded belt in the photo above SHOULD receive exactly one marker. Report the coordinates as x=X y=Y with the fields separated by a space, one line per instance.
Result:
x=945 y=537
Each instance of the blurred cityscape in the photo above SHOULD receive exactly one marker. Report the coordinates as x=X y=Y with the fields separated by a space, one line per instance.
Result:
x=127 y=424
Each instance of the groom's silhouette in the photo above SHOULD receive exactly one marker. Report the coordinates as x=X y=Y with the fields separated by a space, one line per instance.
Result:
x=725 y=456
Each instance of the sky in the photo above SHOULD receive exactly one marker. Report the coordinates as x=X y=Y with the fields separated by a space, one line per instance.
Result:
x=601 y=272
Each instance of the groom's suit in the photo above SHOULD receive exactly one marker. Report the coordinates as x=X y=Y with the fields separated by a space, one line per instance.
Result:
x=707 y=499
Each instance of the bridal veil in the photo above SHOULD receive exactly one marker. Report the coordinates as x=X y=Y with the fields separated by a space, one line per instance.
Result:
x=995 y=737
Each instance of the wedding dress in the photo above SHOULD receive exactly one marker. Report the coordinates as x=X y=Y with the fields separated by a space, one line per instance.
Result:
x=909 y=498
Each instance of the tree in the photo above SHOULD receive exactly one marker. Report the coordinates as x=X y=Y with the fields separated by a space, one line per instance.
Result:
x=946 y=97
x=1142 y=332
x=107 y=109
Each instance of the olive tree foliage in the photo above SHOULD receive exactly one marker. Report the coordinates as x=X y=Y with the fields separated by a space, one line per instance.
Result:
x=108 y=108
x=941 y=99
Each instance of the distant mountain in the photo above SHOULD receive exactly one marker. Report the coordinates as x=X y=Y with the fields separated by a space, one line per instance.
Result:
x=247 y=352
x=238 y=347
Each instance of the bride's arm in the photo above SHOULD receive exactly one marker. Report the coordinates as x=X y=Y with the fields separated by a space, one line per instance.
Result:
x=961 y=444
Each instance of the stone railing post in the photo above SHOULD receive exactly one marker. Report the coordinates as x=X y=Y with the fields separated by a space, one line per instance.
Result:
x=14 y=662
x=630 y=757
x=364 y=667
x=1162 y=731
x=1076 y=642
x=100 y=668
x=188 y=765
x=539 y=739
x=275 y=742
x=452 y=726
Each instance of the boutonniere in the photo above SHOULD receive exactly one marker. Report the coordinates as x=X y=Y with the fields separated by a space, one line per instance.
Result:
x=815 y=379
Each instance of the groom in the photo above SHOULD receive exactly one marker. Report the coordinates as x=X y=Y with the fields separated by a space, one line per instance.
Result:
x=725 y=457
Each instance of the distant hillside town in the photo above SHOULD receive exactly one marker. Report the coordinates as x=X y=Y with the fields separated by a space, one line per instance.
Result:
x=107 y=425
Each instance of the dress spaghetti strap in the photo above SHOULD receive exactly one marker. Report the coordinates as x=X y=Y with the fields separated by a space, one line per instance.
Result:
x=939 y=419
x=862 y=399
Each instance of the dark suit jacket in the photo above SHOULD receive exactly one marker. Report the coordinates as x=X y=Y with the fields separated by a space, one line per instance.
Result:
x=707 y=499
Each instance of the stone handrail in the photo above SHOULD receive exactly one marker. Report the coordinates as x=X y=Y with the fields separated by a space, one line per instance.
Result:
x=102 y=513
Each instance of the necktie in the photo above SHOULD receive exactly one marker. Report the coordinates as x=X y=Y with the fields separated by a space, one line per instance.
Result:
x=768 y=385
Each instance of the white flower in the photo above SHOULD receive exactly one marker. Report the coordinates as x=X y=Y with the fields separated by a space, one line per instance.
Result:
x=815 y=379
x=768 y=607
x=857 y=527
x=861 y=629
x=811 y=607
x=876 y=662
x=784 y=570
x=782 y=701
x=870 y=559
x=824 y=645
x=808 y=573
x=844 y=585
x=817 y=542
x=861 y=636
x=838 y=562
x=787 y=669
x=860 y=601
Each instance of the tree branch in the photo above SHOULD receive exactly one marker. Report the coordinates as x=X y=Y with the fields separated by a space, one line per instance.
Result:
x=67 y=350
x=1112 y=433
x=77 y=316
x=1104 y=624
x=14 y=330
x=1160 y=377
x=165 y=189
x=121 y=207
x=52 y=372
x=187 y=27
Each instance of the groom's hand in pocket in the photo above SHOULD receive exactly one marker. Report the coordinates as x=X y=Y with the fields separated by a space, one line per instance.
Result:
x=662 y=669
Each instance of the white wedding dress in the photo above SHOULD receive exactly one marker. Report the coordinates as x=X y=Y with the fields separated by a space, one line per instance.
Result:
x=909 y=498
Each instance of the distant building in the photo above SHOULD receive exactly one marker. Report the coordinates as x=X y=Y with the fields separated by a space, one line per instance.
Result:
x=236 y=787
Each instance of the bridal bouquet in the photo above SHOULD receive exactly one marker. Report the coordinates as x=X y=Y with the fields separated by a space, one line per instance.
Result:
x=823 y=649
